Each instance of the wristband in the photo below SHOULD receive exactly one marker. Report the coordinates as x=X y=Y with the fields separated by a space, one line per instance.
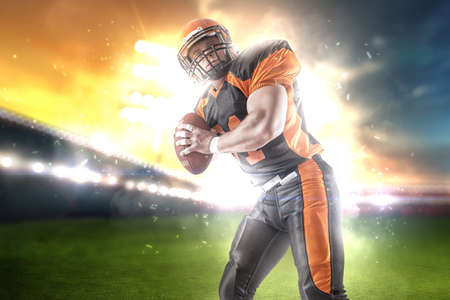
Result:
x=213 y=145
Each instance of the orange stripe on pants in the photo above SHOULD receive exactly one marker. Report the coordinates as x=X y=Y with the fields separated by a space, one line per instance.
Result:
x=315 y=218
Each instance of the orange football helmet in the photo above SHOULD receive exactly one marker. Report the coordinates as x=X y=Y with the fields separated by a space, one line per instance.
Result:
x=195 y=31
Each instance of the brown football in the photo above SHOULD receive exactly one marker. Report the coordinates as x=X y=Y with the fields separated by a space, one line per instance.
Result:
x=194 y=162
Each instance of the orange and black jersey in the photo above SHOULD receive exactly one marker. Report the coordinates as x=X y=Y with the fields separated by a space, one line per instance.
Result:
x=268 y=63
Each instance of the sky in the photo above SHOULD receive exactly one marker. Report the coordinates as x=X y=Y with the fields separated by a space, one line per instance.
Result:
x=374 y=79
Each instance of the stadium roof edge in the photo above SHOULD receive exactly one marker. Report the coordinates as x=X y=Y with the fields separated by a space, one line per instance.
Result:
x=34 y=124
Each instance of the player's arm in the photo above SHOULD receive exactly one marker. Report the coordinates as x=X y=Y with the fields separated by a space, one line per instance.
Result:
x=266 y=109
x=266 y=106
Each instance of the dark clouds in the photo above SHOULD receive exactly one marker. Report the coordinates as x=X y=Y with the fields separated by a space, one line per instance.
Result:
x=408 y=97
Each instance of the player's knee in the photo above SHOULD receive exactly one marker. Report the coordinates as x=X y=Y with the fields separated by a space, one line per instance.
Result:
x=309 y=291
x=231 y=287
x=227 y=284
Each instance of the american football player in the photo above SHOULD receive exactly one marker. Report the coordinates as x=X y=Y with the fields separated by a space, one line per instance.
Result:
x=252 y=105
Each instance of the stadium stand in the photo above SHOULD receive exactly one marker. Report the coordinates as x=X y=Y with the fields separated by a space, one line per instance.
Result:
x=71 y=178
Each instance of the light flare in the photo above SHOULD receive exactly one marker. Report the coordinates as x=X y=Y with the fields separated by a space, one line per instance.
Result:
x=242 y=193
x=100 y=142
x=158 y=94
x=37 y=167
x=381 y=199
x=82 y=174
x=112 y=180
x=129 y=185
x=163 y=190
x=7 y=162
x=141 y=186
x=61 y=171
x=153 y=188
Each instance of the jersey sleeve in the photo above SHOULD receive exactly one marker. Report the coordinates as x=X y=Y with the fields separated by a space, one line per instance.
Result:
x=281 y=66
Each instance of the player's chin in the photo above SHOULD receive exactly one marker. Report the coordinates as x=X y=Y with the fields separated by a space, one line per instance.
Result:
x=209 y=67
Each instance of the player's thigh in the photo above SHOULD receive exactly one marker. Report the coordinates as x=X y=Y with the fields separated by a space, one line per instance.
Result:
x=255 y=240
x=316 y=239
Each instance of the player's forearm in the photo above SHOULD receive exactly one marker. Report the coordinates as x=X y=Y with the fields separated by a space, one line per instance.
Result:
x=252 y=133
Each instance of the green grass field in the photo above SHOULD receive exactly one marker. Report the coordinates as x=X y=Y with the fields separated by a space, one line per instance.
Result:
x=183 y=258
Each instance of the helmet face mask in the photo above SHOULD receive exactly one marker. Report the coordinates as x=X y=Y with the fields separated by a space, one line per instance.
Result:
x=201 y=67
x=206 y=57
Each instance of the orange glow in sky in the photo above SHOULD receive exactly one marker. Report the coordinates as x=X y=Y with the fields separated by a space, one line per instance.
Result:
x=116 y=81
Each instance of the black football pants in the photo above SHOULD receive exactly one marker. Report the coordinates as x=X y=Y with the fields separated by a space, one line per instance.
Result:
x=304 y=214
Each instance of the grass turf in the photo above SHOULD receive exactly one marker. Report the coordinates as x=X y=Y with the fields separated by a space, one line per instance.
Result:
x=183 y=258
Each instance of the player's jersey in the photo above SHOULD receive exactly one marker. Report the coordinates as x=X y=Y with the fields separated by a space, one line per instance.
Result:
x=268 y=63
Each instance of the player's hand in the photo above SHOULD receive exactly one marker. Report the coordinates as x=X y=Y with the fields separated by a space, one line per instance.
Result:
x=195 y=138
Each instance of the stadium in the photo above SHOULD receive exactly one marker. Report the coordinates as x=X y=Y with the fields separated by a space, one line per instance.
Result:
x=116 y=229
x=95 y=205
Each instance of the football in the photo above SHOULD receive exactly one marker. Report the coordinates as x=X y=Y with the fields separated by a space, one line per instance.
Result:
x=194 y=162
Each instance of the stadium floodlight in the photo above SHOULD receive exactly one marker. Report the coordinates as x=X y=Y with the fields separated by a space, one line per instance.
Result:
x=140 y=46
x=163 y=190
x=139 y=70
x=154 y=50
x=95 y=177
x=37 y=167
x=141 y=186
x=148 y=72
x=80 y=175
x=6 y=162
x=180 y=193
x=112 y=180
x=173 y=192
x=153 y=188
x=186 y=194
x=199 y=196
x=129 y=185
x=61 y=171
x=100 y=142
x=135 y=115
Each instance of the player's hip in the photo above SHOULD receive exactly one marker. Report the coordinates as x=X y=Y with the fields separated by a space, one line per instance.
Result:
x=310 y=188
